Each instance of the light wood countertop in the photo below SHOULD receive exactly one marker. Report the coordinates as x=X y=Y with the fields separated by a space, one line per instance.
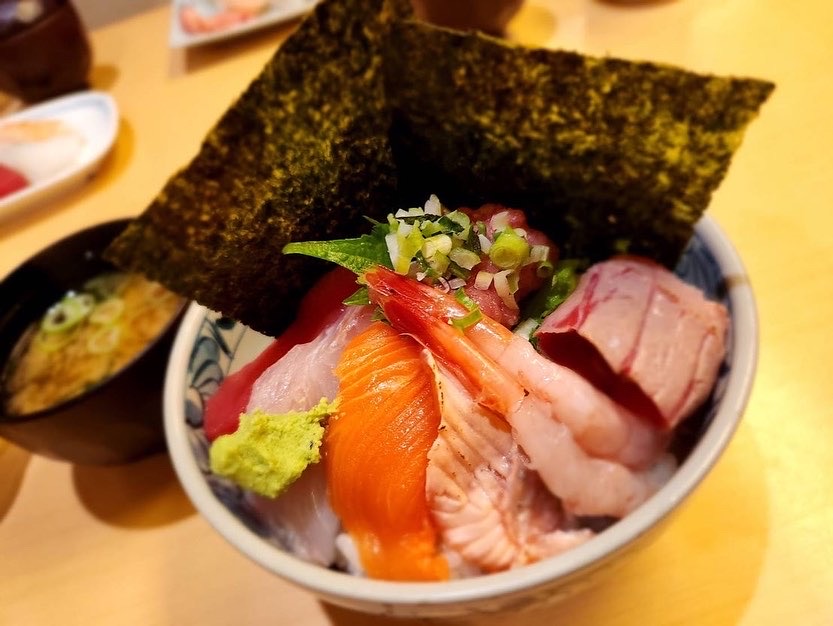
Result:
x=754 y=545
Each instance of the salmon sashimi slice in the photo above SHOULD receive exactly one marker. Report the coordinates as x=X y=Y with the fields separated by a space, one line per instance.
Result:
x=492 y=511
x=586 y=484
x=376 y=454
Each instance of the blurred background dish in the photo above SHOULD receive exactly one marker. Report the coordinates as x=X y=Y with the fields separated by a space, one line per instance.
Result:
x=490 y=16
x=197 y=22
x=208 y=347
x=52 y=146
x=91 y=336
x=44 y=50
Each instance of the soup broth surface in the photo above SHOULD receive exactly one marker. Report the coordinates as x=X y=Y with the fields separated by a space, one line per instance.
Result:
x=84 y=339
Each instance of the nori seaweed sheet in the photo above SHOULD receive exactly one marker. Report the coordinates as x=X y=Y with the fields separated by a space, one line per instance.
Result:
x=302 y=154
x=606 y=155
x=364 y=110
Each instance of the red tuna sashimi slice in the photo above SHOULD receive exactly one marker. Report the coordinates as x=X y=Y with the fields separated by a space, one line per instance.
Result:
x=321 y=305
x=496 y=217
x=651 y=341
x=491 y=510
x=11 y=181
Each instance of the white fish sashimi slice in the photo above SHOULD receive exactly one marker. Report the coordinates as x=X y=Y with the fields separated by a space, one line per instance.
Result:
x=302 y=516
x=490 y=509
x=304 y=375
x=39 y=149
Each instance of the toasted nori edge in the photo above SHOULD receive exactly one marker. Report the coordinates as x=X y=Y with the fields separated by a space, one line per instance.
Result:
x=606 y=155
x=364 y=110
x=302 y=154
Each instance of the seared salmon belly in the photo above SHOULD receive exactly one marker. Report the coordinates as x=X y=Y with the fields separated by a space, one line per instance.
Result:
x=491 y=509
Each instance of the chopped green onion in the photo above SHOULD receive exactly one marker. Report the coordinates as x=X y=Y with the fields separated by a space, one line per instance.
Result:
x=466 y=321
x=499 y=221
x=539 y=253
x=509 y=250
x=460 y=218
x=449 y=225
x=473 y=316
x=545 y=269
x=473 y=242
x=526 y=328
x=402 y=246
x=71 y=310
x=436 y=245
x=457 y=271
x=463 y=298
x=429 y=228
x=412 y=212
x=439 y=263
x=433 y=206
x=505 y=287
x=464 y=257
x=483 y=280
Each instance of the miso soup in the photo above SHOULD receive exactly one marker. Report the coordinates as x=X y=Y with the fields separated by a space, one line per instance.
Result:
x=84 y=339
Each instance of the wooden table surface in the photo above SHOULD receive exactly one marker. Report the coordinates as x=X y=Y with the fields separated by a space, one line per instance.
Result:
x=123 y=545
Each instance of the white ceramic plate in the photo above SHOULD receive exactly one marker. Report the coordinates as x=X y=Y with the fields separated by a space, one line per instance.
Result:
x=279 y=11
x=94 y=116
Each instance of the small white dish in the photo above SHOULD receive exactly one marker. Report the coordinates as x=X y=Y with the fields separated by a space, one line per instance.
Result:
x=93 y=115
x=278 y=11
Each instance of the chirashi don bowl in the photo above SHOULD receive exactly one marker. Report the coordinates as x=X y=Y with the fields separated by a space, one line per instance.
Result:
x=209 y=346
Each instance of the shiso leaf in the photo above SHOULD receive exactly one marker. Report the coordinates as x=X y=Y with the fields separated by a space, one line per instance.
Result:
x=302 y=154
x=364 y=110
x=602 y=153
x=358 y=254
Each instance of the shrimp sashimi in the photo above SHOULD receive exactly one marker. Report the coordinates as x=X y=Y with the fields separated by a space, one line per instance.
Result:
x=585 y=484
x=375 y=455
x=490 y=508
x=643 y=335
x=599 y=425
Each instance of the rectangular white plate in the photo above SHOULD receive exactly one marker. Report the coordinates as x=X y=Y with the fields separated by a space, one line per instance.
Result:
x=278 y=11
